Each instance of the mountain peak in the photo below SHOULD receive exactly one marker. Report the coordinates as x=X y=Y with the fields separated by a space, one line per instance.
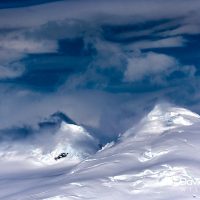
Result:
x=60 y=116
x=164 y=117
x=172 y=115
x=56 y=119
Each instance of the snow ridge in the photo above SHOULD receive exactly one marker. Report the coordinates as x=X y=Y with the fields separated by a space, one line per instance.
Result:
x=162 y=118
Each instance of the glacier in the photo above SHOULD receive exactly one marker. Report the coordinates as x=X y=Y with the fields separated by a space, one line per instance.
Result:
x=155 y=159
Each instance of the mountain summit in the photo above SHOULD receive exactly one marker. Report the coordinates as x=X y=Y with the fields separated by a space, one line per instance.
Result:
x=55 y=120
x=164 y=117
x=54 y=135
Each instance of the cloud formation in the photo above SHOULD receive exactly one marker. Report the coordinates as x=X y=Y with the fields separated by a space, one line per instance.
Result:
x=28 y=46
x=103 y=63
x=162 y=43
x=9 y=73
x=148 y=64
x=153 y=64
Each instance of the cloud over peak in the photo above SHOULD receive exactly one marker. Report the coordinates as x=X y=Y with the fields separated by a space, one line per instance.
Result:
x=96 y=57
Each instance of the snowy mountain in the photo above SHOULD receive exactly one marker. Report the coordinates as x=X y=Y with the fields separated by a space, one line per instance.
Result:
x=55 y=120
x=156 y=159
x=54 y=135
x=163 y=118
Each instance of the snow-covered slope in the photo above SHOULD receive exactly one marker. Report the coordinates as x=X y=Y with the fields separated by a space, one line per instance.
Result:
x=53 y=136
x=69 y=138
x=156 y=159
x=163 y=118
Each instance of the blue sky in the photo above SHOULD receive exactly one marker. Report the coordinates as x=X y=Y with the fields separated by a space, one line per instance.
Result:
x=104 y=63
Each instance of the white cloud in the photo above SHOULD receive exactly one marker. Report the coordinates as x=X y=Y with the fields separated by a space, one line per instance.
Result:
x=110 y=113
x=11 y=72
x=163 y=43
x=138 y=10
x=190 y=29
x=187 y=25
x=13 y=48
x=9 y=56
x=29 y=45
x=10 y=66
x=12 y=51
x=154 y=65
x=148 y=64
x=108 y=55
x=47 y=23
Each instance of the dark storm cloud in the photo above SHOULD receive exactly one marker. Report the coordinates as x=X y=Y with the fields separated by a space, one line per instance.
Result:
x=104 y=63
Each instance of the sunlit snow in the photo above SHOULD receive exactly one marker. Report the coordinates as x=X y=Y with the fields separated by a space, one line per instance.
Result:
x=156 y=159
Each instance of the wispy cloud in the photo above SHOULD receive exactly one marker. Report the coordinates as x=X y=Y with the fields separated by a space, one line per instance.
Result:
x=28 y=46
x=162 y=43
x=11 y=72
